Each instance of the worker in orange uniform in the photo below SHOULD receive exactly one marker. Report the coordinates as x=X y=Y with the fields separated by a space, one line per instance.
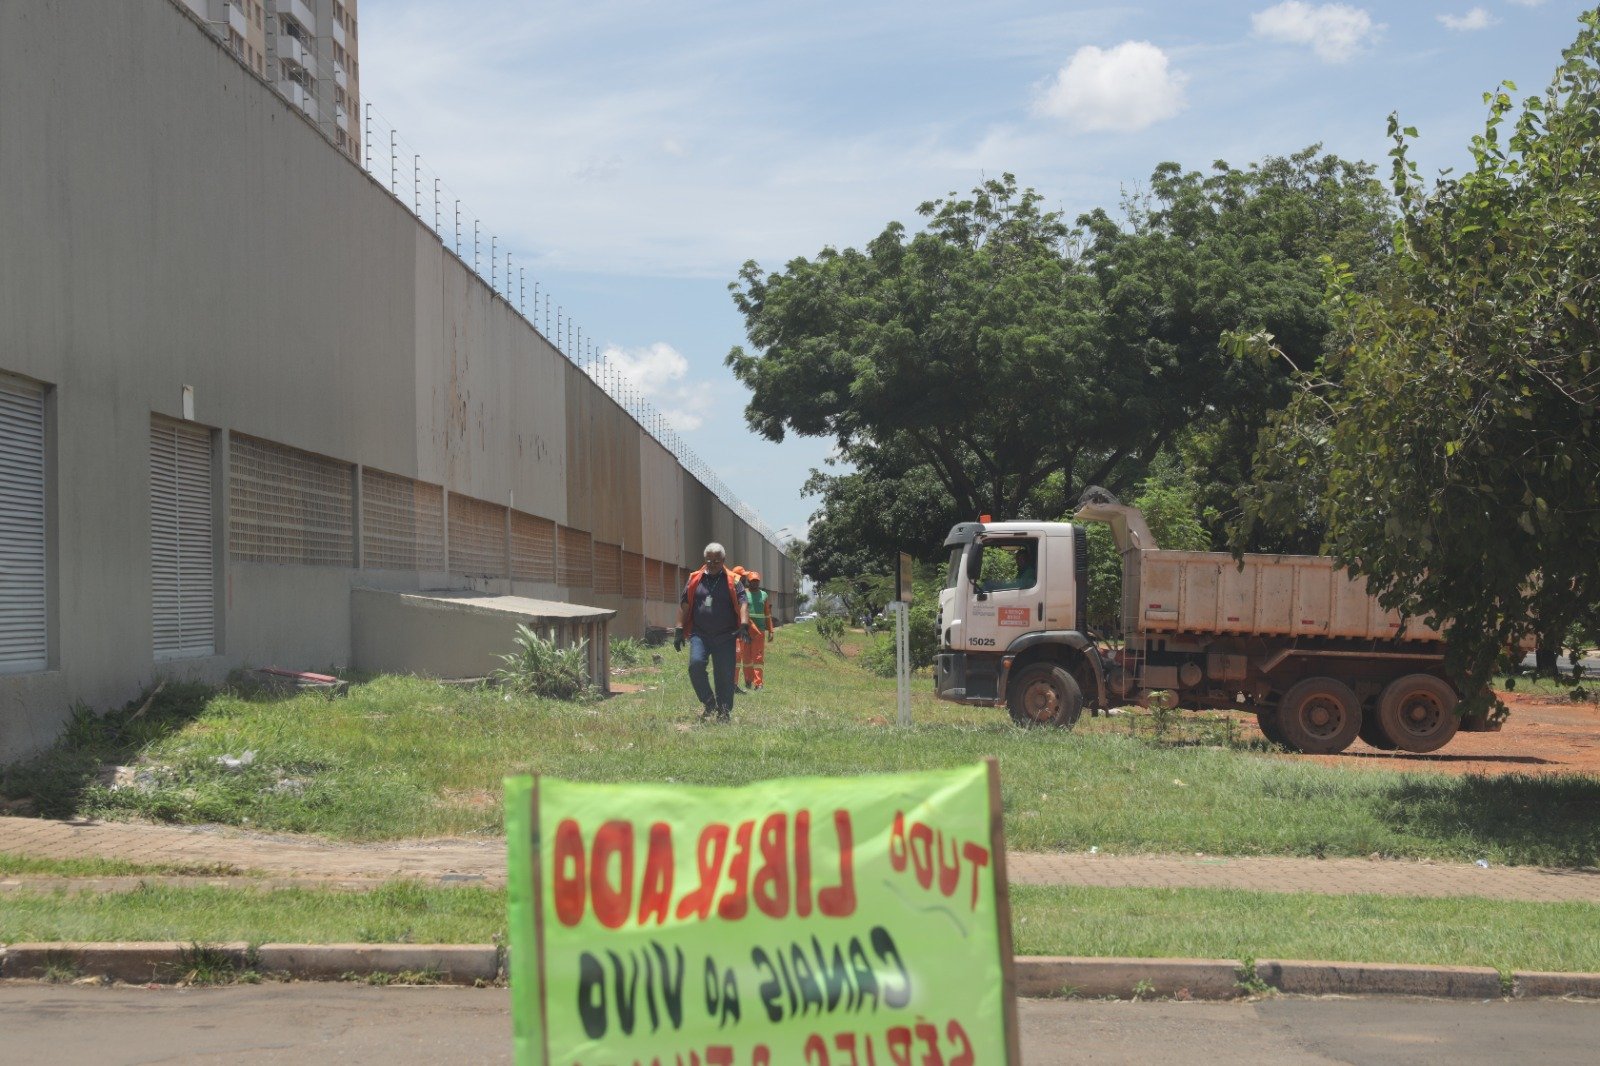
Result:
x=755 y=649
x=743 y=647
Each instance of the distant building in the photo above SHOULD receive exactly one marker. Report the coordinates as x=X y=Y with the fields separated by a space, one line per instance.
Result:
x=307 y=49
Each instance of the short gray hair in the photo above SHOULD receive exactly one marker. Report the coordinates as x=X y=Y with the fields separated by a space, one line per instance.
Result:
x=715 y=549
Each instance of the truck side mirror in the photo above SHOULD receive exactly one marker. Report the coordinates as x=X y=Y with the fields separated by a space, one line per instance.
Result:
x=974 y=562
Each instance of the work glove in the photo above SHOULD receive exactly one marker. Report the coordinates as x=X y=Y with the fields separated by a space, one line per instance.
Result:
x=677 y=638
x=742 y=634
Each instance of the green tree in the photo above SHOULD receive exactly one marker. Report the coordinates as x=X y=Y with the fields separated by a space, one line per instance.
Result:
x=1200 y=257
x=974 y=347
x=1448 y=444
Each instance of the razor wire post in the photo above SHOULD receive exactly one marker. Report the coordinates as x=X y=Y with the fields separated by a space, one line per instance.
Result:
x=368 y=144
x=394 y=162
x=436 y=206
x=416 y=182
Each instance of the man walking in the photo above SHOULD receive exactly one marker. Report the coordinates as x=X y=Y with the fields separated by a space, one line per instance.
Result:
x=713 y=616
x=755 y=651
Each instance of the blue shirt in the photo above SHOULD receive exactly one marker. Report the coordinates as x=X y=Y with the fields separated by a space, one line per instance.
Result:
x=715 y=613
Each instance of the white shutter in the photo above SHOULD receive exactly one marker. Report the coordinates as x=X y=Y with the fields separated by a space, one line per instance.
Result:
x=24 y=643
x=182 y=563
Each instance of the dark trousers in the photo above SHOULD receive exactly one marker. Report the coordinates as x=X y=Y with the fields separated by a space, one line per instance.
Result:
x=721 y=652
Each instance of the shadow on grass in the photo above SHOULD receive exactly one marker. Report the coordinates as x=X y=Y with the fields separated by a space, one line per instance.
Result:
x=55 y=779
x=1543 y=820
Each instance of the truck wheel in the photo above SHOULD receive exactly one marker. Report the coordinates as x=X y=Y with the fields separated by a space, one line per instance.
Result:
x=1268 y=721
x=1419 y=712
x=1044 y=694
x=1319 y=716
x=1374 y=734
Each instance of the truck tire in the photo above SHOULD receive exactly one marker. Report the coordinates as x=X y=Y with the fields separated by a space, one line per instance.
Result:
x=1268 y=722
x=1419 y=712
x=1044 y=694
x=1373 y=733
x=1319 y=716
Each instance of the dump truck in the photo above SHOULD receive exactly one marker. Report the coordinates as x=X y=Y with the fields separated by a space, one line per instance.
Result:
x=1294 y=639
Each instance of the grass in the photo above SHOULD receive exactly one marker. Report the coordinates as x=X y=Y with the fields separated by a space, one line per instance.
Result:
x=1148 y=923
x=1229 y=924
x=401 y=912
x=401 y=757
x=29 y=866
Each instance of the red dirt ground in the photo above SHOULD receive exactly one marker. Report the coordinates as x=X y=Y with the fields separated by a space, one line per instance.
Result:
x=1544 y=735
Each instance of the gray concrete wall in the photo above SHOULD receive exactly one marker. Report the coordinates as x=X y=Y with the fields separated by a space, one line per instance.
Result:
x=166 y=221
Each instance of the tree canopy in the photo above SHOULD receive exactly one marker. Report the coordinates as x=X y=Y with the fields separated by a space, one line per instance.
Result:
x=1448 y=441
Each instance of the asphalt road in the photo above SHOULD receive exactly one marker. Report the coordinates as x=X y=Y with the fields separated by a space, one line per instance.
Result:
x=315 y=1023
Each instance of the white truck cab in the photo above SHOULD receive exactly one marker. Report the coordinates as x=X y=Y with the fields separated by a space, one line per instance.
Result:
x=1011 y=587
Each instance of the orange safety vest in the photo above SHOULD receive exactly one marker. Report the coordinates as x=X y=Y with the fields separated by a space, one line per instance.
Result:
x=694 y=583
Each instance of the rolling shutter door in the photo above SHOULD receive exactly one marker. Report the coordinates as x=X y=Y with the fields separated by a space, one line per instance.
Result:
x=182 y=559
x=24 y=640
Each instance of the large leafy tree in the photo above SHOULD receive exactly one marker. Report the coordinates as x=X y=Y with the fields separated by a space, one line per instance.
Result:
x=975 y=347
x=1449 y=444
x=888 y=504
x=1199 y=257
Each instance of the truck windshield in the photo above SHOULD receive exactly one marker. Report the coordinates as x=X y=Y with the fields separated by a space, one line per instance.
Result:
x=953 y=571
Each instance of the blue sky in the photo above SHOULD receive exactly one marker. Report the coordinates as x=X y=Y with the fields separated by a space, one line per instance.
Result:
x=632 y=155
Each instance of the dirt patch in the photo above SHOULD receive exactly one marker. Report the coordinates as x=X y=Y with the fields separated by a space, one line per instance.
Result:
x=1544 y=735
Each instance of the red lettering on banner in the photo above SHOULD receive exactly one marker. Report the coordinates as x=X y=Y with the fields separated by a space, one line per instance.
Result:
x=955 y=1033
x=839 y=901
x=655 y=894
x=978 y=856
x=816 y=1050
x=928 y=1033
x=950 y=876
x=897 y=843
x=736 y=902
x=709 y=854
x=771 y=886
x=846 y=1042
x=899 y=1041
x=719 y=1055
x=566 y=880
x=612 y=902
x=922 y=853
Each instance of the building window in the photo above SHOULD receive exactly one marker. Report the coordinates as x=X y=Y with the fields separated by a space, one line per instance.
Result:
x=402 y=523
x=182 y=541
x=477 y=537
x=574 y=559
x=24 y=619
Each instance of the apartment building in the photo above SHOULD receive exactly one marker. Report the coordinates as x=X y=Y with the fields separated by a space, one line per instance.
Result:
x=306 y=49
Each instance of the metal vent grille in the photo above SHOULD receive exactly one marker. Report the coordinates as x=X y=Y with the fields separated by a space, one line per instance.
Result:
x=182 y=544
x=633 y=575
x=575 y=559
x=668 y=592
x=402 y=523
x=24 y=632
x=608 y=579
x=1080 y=576
x=477 y=537
x=289 y=506
x=654 y=578
x=533 y=548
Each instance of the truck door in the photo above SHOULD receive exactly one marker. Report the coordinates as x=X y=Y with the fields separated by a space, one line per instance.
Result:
x=1008 y=599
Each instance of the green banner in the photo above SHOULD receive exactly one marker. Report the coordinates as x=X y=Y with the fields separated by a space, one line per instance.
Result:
x=824 y=921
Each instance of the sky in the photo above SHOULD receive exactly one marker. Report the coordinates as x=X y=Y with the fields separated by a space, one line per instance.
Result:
x=631 y=156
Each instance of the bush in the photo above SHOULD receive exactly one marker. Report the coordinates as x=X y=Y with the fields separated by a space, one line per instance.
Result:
x=830 y=627
x=924 y=641
x=626 y=651
x=539 y=668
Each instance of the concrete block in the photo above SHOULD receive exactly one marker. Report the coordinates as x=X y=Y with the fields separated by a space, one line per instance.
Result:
x=1046 y=975
x=137 y=962
x=1380 y=979
x=1534 y=984
x=455 y=963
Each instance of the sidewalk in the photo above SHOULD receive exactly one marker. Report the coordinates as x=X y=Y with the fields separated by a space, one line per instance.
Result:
x=213 y=852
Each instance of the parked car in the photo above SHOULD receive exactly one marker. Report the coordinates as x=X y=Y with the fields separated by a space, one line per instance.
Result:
x=809 y=616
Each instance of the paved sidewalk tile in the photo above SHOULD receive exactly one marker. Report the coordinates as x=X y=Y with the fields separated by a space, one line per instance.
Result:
x=483 y=862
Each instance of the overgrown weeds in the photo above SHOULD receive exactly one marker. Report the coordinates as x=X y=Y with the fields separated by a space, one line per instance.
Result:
x=539 y=668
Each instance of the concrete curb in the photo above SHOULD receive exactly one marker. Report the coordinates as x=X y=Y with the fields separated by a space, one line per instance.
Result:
x=1037 y=975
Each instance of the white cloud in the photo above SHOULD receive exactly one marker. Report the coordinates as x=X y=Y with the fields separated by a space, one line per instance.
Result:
x=1476 y=19
x=1336 y=32
x=659 y=373
x=1128 y=87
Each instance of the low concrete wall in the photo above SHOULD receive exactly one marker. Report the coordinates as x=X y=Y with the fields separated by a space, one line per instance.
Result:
x=429 y=635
